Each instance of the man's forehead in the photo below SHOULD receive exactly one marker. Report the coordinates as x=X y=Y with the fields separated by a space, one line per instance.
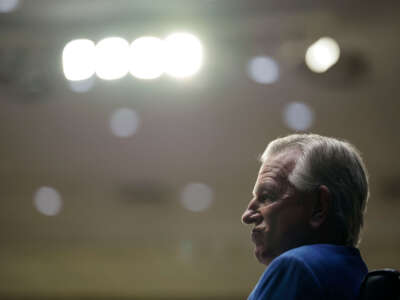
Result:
x=275 y=170
x=281 y=163
x=270 y=177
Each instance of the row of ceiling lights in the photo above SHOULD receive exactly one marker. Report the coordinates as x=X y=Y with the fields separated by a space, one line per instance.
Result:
x=179 y=55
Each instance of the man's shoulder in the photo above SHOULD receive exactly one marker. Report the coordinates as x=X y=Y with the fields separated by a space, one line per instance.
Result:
x=299 y=262
x=320 y=260
x=311 y=272
x=324 y=262
x=300 y=259
x=288 y=277
x=316 y=252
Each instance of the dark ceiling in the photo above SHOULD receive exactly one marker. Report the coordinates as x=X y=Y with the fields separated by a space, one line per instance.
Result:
x=122 y=231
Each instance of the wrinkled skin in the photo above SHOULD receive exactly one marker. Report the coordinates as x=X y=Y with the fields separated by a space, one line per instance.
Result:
x=280 y=213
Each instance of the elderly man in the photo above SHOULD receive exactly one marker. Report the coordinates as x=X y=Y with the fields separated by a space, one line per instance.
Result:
x=307 y=211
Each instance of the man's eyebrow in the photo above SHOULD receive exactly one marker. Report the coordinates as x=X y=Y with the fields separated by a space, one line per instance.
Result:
x=265 y=188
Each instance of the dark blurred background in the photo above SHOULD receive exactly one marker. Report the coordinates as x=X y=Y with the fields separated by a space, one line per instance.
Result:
x=133 y=189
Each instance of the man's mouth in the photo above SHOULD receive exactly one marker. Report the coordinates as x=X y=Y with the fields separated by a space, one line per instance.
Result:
x=256 y=234
x=258 y=229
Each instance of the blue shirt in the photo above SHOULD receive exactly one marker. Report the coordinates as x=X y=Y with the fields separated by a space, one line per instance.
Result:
x=320 y=271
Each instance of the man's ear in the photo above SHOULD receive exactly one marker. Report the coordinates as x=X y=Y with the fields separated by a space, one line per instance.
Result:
x=321 y=207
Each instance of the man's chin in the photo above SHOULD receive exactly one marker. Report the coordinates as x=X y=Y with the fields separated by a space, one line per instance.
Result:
x=263 y=255
x=259 y=254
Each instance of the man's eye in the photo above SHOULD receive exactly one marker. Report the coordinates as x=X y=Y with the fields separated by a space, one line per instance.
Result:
x=267 y=198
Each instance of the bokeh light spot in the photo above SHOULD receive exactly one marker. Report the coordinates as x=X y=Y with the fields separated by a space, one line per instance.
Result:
x=78 y=59
x=196 y=197
x=147 y=58
x=322 y=55
x=7 y=6
x=263 y=69
x=298 y=116
x=112 y=56
x=184 y=55
x=82 y=86
x=47 y=201
x=186 y=250
x=124 y=122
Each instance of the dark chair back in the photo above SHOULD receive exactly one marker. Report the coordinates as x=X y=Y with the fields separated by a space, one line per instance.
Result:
x=381 y=284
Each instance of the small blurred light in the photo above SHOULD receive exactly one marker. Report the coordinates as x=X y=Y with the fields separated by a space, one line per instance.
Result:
x=322 y=55
x=47 y=201
x=82 y=86
x=263 y=69
x=186 y=250
x=298 y=116
x=196 y=197
x=184 y=55
x=7 y=6
x=79 y=59
x=124 y=122
x=147 y=57
x=112 y=56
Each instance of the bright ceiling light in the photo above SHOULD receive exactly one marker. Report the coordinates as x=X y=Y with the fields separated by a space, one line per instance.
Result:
x=147 y=58
x=322 y=55
x=112 y=56
x=184 y=55
x=78 y=59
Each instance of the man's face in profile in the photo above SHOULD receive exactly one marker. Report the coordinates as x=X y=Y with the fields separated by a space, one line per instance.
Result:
x=279 y=212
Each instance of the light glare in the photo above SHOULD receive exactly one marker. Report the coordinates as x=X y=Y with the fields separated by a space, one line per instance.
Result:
x=184 y=55
x=263 y=69
x=322 y=55
x=147 y=58
x=47 y=201
x=7 y=6
x=196 y=197
x=112 y=56
x=298 y=116
x=82 y=86
x=124 y=122
x=78 y=59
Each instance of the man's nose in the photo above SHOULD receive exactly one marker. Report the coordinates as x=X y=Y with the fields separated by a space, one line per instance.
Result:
x=251 y=214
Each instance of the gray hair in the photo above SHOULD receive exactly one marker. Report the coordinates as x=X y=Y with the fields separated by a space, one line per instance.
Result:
x=336 y=164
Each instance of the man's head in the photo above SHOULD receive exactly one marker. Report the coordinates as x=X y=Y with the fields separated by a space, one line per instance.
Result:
x=310 y=189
